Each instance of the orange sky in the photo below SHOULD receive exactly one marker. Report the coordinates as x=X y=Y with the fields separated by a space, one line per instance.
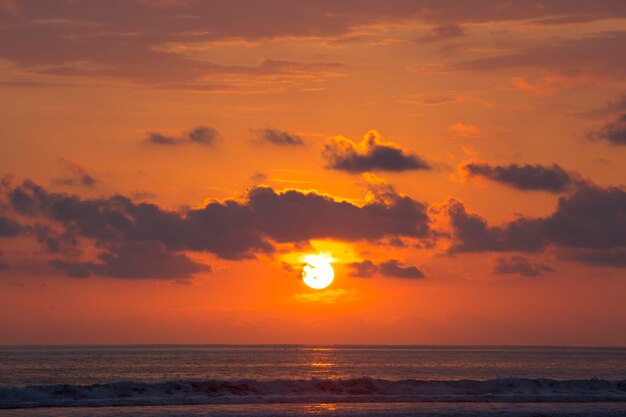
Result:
x=167 y=164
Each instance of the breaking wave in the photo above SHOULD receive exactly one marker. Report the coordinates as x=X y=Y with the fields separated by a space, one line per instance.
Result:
x=356 y=390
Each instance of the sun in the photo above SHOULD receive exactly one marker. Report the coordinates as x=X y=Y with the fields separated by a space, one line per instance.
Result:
x=317 y=273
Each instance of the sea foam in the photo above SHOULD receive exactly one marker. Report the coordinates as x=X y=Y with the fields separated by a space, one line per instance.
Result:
x=356 y=390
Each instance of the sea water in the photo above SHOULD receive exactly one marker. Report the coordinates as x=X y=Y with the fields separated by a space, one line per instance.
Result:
x=293 y=380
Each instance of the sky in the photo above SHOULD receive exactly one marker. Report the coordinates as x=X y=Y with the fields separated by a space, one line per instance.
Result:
x=166 y=166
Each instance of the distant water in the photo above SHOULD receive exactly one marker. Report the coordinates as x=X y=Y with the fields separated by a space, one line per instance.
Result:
x=288 y=380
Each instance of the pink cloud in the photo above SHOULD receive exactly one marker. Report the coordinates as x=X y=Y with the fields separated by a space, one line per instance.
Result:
x=553 y=82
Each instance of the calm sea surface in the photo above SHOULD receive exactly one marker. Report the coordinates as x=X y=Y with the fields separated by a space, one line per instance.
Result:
x=20 y=366
x=293 y=380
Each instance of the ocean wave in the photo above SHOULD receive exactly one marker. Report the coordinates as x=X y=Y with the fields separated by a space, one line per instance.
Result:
x=356 y=390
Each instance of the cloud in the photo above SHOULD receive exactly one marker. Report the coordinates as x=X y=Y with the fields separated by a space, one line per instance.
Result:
x=108 y=236
x=293 y=216
x=613 y=132
x=363 y=269
x=201 y=135
x=598 y=54
x=442 y=33
x=613 y=257
x=279 y=137
x=100 y=41
x=79 y=175
x=161 y=139
x=391 y=268
x=586 y=222
x=550 y=178
x=554 y=82
x=520 y=265
x=371 y=154
x=472 y=233
x=464 y=129
x=137 y=260
x=435 y=98
x=148 y=44
x=9 y=227
x=591 y=217
x=227 y=229
x=125 y=230
x=3 y=265
x=57 y=242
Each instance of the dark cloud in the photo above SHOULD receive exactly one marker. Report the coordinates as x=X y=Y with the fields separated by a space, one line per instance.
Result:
x=79 y=175
x=551 y=178
x=441 y=33
x=363 y=269
x=138 y=260
x=520 y=265
x=591 y=217
x=294 y=216
x=224 y=229
x=588 y=225
x=589 y=220
x=371 y=154
x=201 y=135
x=57 y=242
x=229 y=229
x=472 y=233
x=161 y=139
x=9 y=227
x=613 y=132
x=279 y=137
x=614 y=257
x=397 y=242
x=391 y=268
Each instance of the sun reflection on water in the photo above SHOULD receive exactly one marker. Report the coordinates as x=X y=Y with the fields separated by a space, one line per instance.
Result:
x=319 y=408
x=321 y=362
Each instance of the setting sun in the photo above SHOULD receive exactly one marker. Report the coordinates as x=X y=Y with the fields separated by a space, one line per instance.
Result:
x=317 y=272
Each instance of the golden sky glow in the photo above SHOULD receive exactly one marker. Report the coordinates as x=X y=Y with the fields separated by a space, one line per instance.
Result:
x=170 y=167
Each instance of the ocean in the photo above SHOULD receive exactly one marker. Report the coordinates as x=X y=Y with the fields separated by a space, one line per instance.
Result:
x=296 y=380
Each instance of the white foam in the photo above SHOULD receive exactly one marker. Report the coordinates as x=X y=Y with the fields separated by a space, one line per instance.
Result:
x=356 y=390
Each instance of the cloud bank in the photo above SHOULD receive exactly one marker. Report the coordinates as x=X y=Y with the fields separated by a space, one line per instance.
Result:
x=127 y=231
x=118 y=237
